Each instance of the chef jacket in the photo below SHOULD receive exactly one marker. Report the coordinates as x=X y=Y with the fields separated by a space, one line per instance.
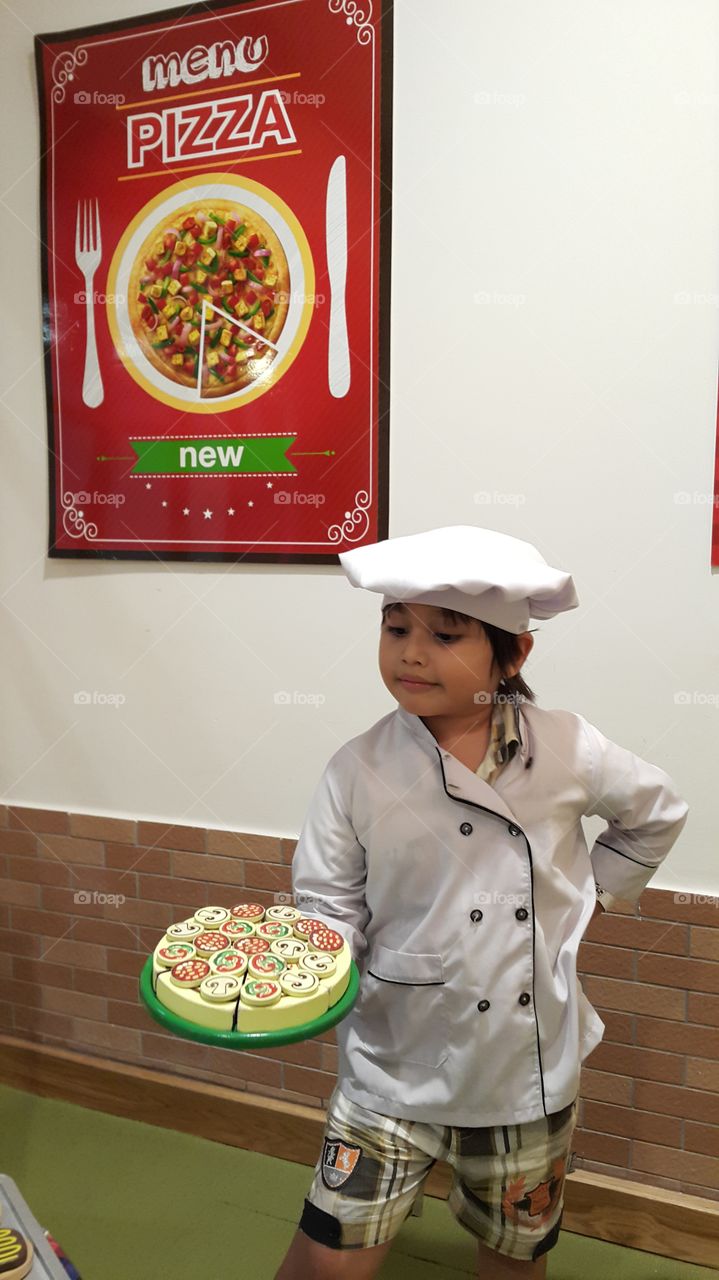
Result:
x=464 y=905
x=504 y=739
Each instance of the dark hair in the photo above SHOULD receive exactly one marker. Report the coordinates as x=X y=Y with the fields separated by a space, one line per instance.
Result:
x=505 y=651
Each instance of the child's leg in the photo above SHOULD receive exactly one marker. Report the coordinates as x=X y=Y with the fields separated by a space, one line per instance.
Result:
x=308 y=1260
x=508 y=1191
x=370 y=1172
x=496 y=1266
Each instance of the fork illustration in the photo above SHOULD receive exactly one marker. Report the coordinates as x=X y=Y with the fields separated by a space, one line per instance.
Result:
x=88 y=251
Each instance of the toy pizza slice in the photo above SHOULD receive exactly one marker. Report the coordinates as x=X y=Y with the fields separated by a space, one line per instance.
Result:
x=258 y=971
x=16 y=1254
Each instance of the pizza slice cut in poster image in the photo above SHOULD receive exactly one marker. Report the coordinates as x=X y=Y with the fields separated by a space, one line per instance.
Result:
x=216 y=222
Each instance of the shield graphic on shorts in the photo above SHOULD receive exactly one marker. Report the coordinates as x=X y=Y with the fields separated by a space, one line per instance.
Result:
x=338 y=1162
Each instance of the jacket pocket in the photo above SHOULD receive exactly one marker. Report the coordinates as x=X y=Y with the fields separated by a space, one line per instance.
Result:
x=402 y=1007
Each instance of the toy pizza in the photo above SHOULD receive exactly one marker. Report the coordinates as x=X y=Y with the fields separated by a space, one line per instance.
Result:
x=249 y=969
x=214 y=252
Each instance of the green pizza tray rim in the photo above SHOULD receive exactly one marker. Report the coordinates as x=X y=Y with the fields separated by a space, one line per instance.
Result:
x=246 y=1039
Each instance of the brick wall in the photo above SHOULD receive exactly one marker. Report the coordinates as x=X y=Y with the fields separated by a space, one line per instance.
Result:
x=69 y=970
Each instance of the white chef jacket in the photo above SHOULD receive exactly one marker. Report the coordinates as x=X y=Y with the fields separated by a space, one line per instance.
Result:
x=464 y=905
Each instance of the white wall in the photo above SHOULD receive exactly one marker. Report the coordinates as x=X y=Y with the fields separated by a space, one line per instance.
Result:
x=567 y=153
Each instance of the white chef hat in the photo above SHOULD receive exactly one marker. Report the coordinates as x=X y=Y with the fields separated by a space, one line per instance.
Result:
x=487 y=575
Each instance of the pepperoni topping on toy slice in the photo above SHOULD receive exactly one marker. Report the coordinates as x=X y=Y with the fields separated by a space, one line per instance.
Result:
x=248 y=911
x=190 y=973
x=209 y=942
x=252 y=946
x=323 y=939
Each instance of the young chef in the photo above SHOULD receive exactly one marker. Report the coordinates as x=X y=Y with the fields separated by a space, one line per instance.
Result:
x=445 y=843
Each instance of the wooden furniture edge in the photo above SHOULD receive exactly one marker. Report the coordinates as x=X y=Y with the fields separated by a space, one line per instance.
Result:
x=633 y=1214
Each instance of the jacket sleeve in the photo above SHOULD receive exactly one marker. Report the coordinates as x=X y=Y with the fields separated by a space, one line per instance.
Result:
x=328 y=867
x=644 y=812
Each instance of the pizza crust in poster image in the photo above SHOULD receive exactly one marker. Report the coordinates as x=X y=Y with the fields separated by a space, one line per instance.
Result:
x=295 y=261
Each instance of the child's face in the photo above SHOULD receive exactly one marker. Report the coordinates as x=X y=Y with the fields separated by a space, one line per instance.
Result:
x=453 y=659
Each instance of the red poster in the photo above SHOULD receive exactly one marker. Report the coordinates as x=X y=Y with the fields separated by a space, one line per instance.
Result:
x=216 y=230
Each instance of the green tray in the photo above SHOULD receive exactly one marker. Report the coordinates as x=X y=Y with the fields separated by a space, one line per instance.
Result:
x=245 y=1039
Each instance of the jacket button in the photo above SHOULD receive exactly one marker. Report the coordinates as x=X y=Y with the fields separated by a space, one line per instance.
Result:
x=476 y=915
x=525 y=998
x=466 y=828
x=483 y=1004
x=513 y=831
x=521 y=913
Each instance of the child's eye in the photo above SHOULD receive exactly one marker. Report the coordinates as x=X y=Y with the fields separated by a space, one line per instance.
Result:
x=443 y=636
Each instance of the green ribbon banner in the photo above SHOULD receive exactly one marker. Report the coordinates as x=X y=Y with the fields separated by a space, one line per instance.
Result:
x=205 y=456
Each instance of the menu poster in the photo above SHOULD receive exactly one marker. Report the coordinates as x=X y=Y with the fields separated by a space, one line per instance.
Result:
x=216 y=281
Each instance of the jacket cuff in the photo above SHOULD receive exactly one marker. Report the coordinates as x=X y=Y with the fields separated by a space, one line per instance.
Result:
x=616 y=875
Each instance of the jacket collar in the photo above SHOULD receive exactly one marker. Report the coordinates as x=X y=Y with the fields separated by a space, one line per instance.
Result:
x=459 y=782
x=419 y=730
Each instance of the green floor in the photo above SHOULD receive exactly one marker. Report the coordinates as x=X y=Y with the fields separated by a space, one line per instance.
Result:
x=129 y=1201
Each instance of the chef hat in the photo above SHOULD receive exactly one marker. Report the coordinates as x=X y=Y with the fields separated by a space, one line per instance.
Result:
x=487 y=575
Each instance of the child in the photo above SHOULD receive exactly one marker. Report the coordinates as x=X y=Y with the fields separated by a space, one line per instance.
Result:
x=445 y=843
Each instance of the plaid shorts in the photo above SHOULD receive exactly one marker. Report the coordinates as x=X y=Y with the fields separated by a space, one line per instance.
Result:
x=507 y=1184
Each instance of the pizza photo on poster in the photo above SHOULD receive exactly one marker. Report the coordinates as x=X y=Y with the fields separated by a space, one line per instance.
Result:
x=216 y=209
